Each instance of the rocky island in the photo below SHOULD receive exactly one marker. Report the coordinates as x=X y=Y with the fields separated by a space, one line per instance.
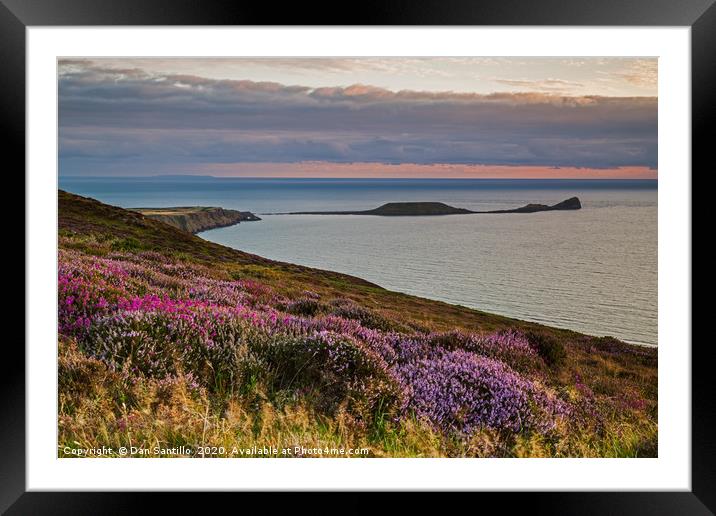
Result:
x=395 y=209
x=195 y=219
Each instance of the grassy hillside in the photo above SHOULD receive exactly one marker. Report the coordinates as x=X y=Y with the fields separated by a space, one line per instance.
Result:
x=170 y=341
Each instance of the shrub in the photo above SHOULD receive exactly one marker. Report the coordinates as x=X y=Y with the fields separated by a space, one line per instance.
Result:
x=338 y=370
x=168 y=339
x=450 y=340
x=549 y=348
x=509 y=346
x=304 y=306
x=126 y=244
x=350 y=310
x=459 y=392
x=610 y=345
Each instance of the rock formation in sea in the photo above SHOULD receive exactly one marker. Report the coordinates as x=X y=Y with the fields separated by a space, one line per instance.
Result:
x=395 y=209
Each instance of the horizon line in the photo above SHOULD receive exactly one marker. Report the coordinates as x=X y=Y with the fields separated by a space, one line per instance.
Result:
x=75 y=176
x=157 y=176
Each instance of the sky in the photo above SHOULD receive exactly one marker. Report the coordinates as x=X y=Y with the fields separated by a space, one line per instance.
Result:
x=359 y=117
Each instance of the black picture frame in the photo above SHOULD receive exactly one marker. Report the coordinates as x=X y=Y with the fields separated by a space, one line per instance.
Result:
x=700 y=15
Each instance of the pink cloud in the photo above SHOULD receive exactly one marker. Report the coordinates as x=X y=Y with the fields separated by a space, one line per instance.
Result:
x=319 y=169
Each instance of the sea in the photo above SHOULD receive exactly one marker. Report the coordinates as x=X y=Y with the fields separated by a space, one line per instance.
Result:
x=593 y=270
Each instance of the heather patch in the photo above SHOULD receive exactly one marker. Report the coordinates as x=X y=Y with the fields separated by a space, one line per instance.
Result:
x=154 y=327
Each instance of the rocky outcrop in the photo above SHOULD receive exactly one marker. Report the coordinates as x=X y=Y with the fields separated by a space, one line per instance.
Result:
x=394 y=209
x=569 y=204
x=197 y=218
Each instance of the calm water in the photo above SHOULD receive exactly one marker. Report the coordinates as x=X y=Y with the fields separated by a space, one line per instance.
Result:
x=593 y=270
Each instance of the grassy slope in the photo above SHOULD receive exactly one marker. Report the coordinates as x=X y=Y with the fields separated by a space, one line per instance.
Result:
x=605 y=366
x=131 y=231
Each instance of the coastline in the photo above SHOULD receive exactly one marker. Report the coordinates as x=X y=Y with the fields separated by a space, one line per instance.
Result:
x=296 y=266
x=195 y=219
x=438 y=299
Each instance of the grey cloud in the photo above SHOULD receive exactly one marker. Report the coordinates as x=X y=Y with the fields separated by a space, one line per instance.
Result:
x=114 y=114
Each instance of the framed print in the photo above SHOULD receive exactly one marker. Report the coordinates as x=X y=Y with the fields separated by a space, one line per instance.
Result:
x=449 y=249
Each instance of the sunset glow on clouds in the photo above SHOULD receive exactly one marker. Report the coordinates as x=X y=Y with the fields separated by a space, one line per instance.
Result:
x=413 y=170
x=149 y=117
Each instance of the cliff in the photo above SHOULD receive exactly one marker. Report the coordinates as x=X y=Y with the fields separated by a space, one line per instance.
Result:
x=198 y=218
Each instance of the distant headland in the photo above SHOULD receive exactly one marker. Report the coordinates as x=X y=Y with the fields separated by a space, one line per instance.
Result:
x=396 y=209
x=195 y=219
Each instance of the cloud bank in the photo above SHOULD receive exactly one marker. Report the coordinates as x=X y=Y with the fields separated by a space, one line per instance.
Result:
x=126 y=119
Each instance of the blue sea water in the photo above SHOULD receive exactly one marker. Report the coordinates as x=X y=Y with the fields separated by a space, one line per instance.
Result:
x=592 y=270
